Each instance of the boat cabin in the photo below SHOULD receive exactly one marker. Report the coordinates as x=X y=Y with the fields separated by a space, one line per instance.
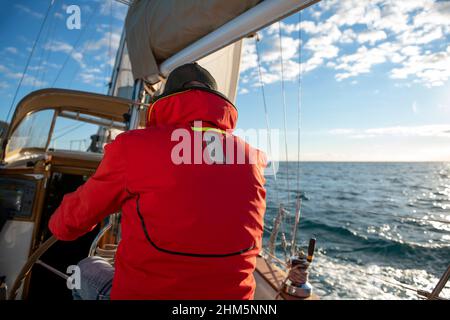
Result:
x=39 y=167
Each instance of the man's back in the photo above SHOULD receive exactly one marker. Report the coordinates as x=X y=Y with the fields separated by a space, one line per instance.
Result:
x=192 y=216
x=198 y=219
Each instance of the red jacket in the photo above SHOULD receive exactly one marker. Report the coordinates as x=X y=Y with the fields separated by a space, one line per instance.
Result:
x=189 y=231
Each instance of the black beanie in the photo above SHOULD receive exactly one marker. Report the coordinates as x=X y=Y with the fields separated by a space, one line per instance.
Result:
x=183 y=74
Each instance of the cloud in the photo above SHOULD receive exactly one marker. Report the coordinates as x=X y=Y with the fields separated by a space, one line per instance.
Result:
x=354 y=36
x=359 y=62
x=93 y=78
x=371 y=36
x=28 y=80
x=29 y=11
x=108 y=38
x=60 y=46
x=432 y=69
x=444 y=108
x=305 y=26
x=241 y=90
x=435 y=130
x=348 y=36
x=289 y=48
x=11 y=50
x=421 y=36
x=59 y=15
x=249 y=58
x=112 y=8
x=270 y=60
x=415 y=108
x=4 y=85
x=341 y=131
x=410 y=33
x=105 y=47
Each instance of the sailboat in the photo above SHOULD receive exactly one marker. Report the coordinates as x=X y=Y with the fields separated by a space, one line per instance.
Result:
x=158 y=36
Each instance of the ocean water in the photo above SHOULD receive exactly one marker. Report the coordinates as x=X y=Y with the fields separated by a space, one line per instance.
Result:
x=379 y=226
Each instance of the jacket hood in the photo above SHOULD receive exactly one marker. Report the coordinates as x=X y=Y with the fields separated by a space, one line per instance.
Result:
x=191 y=105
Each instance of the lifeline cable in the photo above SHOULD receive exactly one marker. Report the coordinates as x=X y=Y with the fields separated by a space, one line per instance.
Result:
x=29 y=60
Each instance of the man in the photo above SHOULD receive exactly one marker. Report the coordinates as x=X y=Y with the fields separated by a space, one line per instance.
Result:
x=191 y=226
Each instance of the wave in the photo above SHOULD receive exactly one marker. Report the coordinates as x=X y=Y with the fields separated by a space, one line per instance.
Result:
x=430 y=225
x=377 y=246
x=340 y=208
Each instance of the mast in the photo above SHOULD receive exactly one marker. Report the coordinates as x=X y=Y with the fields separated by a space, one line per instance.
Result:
x=122 y=64
x=140 y=95
x=117 y=63
x=122 y=85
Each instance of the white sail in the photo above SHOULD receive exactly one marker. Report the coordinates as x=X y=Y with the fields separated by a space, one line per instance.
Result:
x=122 y=78
x=224 y=67
x=164 y=34
x=158 y=29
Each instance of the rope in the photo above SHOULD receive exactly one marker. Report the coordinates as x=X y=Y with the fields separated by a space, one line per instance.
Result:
x=108 y=66
x=48 y=53
x=269 y=135
x=281 y=262
x=64 y=128
x=299 y=98
x=68 y=131
x=400 y=285
x=29 y=60
x=78 y=65
x=43 y=52
x=266 y=113
x=298 y=273
x=418 y=292
x=125 y=2
x=299 y=201
x=283 y=91
x=284 y=111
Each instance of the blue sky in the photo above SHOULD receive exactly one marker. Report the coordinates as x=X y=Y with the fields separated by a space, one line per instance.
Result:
x=375 y=74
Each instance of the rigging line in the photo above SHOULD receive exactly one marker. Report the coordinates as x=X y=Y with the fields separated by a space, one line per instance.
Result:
x=48 y=52
x=283 y=91
x=73 y=76
x=299 y=97
x=266 y=113
x=401 y=285
x=41 y=56
x=269 y=137
x=68 y=131
x=281 y=262
x=418 y=292
x=284 y=112
x=125 y=2
x=29 y=60
x=78 y=65
x=298 y=198
x=64 y=128
x=69 y=55
x=108 y=65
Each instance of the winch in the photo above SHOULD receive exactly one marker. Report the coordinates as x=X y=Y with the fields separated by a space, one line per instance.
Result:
x=297 y=283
